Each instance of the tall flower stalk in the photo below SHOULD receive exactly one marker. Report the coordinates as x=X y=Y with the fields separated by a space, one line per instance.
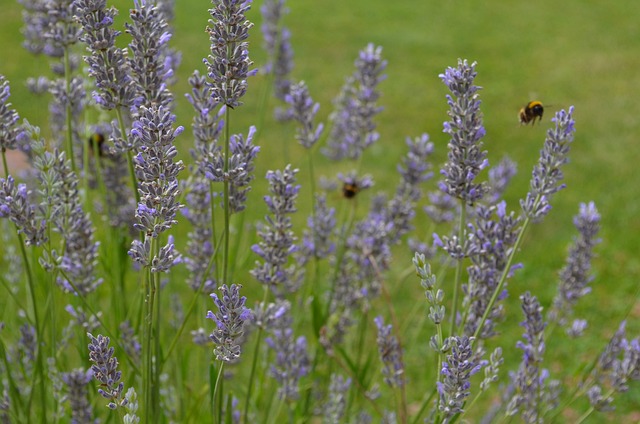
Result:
x=116 y=89
x=150 y=69
x=529 y=380
x=50 y=29
x=465 y=158
x=546 y=180
x=230 y=320
x=353 y=126
x=278 y=240
x=278 y=46
x=575 y=276
x=228 y=70
x=157 y=173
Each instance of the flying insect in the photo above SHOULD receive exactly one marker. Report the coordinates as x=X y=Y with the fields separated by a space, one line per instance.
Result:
x=530 y=112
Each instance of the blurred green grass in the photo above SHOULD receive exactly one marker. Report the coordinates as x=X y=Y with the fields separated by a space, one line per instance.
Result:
x=582 y=53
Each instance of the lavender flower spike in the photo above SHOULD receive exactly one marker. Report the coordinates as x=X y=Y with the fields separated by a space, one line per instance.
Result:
x=390 y=354
x=456 y=372
x=107 y=63
x=292 y=360
x=278 y=45
x=575 y=276
x=10 y=132
x=336 y=405
x=157 y=175
x=529 y=380
x=228 y=64
x=230 y=320
x=547 y=173
x=149 y=67
x=14 y=204
x=76 y=381
x=278 y=240
x=304 y=110
x=465 y=158
x=105 y=370
x=353 y=127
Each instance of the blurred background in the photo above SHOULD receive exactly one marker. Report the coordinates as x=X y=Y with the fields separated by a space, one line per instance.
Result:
x=574 y=52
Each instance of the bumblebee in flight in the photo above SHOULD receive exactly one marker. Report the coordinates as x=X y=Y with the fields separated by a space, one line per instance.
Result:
x=96 y=140
x=530 y=112
x=349 y=190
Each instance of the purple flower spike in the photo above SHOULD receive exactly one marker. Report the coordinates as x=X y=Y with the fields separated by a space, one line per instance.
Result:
x=466 y=158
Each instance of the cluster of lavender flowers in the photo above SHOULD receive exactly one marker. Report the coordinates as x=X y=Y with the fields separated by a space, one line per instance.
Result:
x=278 y=241
x=532 y=392
x=151 y=62
x=228 y=64
x=105 y=370
x=353 y=127
x=495 y=232
x=303 y=110
x=617 y=365
x=292 y=361
x=457 y=371
x=547 y=174
x=465 y=158
x=157 y=174
x=107 y=63
x=15 y=205
x=575 y=276
x=390 y=354
x=10 y=131
x=357 y=251
x=230 y=320
x=277 y=44
x=79 y=258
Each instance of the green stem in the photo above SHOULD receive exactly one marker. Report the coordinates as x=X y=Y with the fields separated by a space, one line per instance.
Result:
x=31 y=285
x=505 y=271
x=39 y=331
x=425 y=403
x=192 y=306
x=146 y=368
x=342 y=248
x=394 y=319
x=4 y=163
x=132 y=171
x=149 y=377
x=217 y=414
x=585 y=415
x=214 y=242
x=155 y=294
x=458 y=275
x=67 y=78
x=227 y=209
x=254 y=363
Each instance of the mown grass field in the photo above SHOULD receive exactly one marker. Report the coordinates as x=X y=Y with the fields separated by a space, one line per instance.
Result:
x=581 y=53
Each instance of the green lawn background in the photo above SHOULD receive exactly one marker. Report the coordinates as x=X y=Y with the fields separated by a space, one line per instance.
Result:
x=582 y=53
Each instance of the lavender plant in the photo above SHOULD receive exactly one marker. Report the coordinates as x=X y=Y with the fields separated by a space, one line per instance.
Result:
x=278 y=241
x=530 y=381
x=230 y=320
x=149 y=65
x=10 y=131
x=277 y=43
x=322 y=285
x=291 y=362
x=574 y=277
x=465 y=160
x=228 y=69
x=105 y=370
x=157 y=174
x=353 y=126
